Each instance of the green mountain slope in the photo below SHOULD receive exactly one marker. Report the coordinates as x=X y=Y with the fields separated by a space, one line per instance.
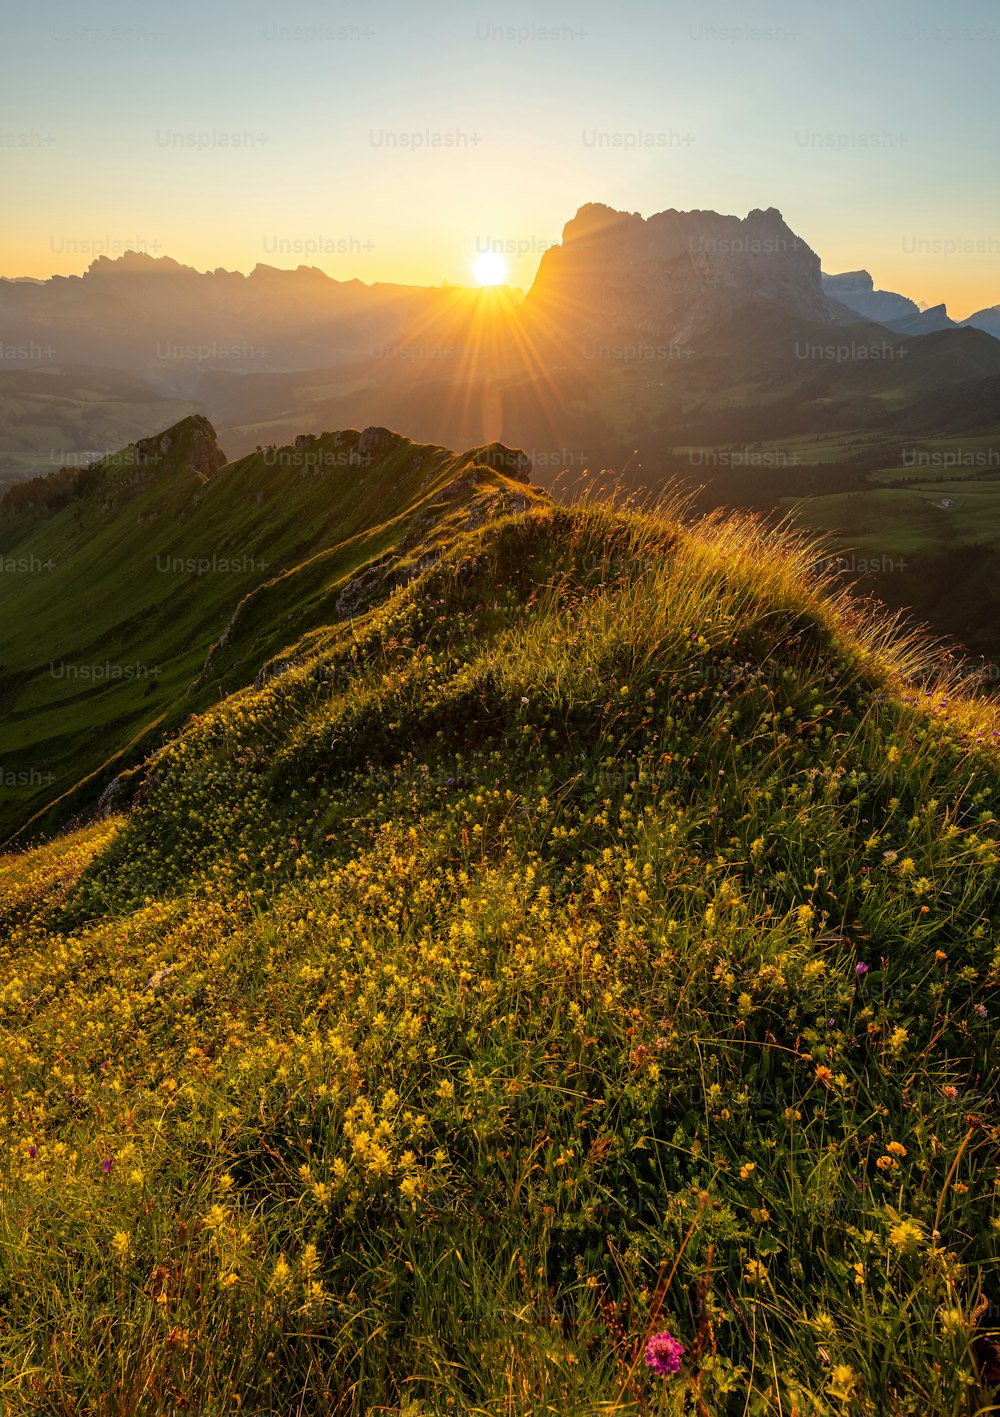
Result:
x=594 y=939
x=130 y=571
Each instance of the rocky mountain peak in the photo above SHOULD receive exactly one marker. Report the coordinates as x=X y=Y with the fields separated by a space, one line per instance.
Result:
x=675 y=273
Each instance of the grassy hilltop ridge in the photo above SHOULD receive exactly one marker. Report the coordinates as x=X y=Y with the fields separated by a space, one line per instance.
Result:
x=595 y=936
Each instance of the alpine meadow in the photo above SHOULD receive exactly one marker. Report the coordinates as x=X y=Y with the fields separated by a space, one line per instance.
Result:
x=499 y=734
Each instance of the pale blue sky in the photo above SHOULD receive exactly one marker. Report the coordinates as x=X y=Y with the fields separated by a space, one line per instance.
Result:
x=872 y=126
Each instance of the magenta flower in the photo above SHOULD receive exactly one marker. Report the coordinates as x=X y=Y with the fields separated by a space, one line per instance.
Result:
x=106 y=1165
x=861 y=967
x=32 y=1152
x=664 y=1354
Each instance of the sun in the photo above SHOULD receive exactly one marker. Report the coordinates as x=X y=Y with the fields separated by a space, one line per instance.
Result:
x=489 y=268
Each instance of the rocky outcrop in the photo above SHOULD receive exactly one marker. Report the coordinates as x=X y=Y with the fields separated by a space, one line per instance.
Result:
x=193 y=440
x=115 y=796
x=374 y=441
x=364 y=588
x=510 y=461
x=129 y=789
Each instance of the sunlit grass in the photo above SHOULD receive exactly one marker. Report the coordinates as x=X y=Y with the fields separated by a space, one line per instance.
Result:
x=596 y=939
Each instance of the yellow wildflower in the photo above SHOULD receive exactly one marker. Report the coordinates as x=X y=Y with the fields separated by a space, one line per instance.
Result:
x=842 y=1380
x=281 y=1276
x=907 y=1236
x=953 y=1323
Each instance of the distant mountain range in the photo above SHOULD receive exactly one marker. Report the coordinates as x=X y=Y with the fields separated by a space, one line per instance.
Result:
x=167 y=323
x=856 y=290
x=668 y=279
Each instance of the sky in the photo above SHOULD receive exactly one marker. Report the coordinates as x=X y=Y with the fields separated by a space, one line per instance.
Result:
x=394 y=140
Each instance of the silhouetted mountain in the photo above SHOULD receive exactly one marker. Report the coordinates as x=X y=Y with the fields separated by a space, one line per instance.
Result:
x=925 y=322
x=673 y=275
x=856 y=290
x=988 y=320
x=687 y=345
x=170 y=324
